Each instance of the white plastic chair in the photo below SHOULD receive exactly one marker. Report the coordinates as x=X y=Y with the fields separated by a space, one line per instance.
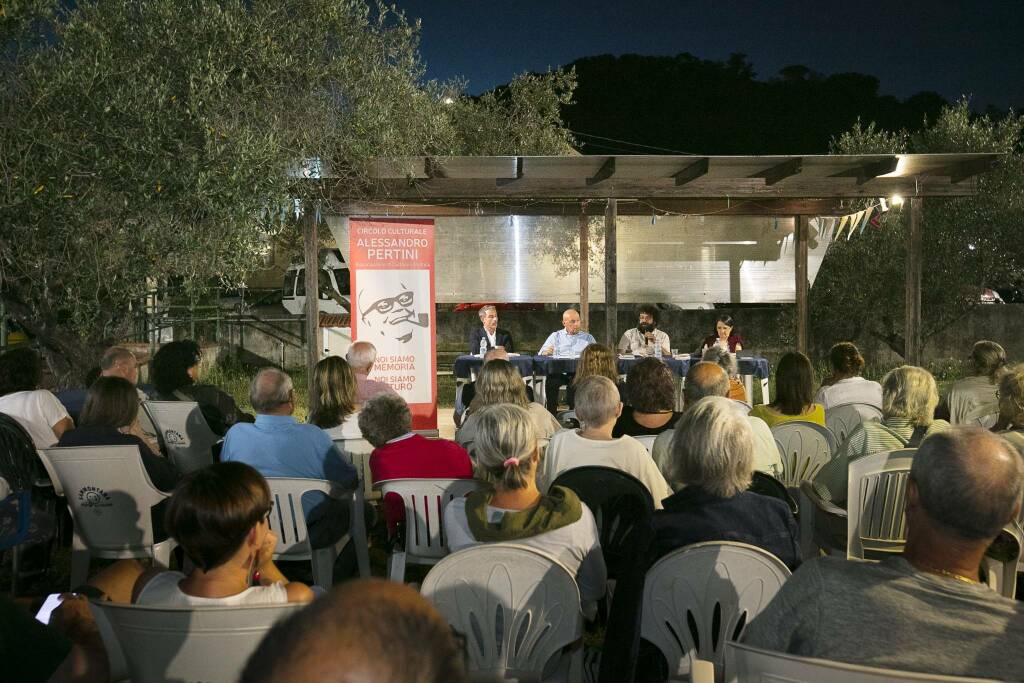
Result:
x=357 y=453
x=647 y=440
x=875 y=492
x=692 y=590
x=109 y=495
x=183 y=432
x=425 y=500
x=804 y=447
x=517 y=608
x=288 y=522
x=843 y=419
x=746 y=664
x=188 y=643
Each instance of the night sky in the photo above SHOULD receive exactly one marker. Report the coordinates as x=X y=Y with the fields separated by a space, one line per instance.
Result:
x=953 y=47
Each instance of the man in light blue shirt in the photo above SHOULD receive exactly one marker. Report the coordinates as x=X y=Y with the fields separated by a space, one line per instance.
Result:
x=568 y=342
x=278 y=446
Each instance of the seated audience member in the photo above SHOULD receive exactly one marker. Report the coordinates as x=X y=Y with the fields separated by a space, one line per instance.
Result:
x=710 y=466
x=218 y=515
x=366 y=630
x=976 y=397
x=568 y=342
x=489 y=331
x=642 y=339
x=794 y=389
x=500 y=382
x=37 y=410
x=709 y=379
x=118 y=361
x=399 y=453
x=598 y=359
x=336 y=411
x=716 y=354
x=924 y=610
x=556 y=523
x=110 y=418
x=725 y=336
x=652 y=397
x=279 y=446
x=176 y=376
x=845 y=385
x=1011 y=406
x=597 y=407
x=909 y=397
x=469 y=388
x=361 y=356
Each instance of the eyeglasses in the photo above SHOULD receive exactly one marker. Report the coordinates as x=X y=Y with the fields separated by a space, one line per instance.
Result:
x=270 y=510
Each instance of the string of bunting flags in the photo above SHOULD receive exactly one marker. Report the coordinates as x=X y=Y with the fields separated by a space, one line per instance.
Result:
x=856 y=222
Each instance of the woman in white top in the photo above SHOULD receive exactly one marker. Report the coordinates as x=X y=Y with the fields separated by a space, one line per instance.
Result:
x=845 y=385
x=37 y=410
x=557 y=524
x=219 y=515
x=500 y=382
x=337 y=412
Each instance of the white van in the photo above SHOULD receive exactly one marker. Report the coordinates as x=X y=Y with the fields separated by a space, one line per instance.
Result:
x=334 y=275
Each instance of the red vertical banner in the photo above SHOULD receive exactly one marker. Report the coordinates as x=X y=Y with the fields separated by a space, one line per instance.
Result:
x=392 y=269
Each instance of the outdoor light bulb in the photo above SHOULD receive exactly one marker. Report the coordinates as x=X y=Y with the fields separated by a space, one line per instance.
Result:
x=448 y=99
x=896 y=200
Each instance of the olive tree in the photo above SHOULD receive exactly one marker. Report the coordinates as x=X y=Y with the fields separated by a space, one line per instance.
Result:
x=142 y=139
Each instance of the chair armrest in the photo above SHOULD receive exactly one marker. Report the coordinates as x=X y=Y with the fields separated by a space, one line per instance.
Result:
x=820 y=504
x=822 y=524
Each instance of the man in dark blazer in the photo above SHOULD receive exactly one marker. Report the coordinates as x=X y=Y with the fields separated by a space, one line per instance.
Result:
x=489 y=332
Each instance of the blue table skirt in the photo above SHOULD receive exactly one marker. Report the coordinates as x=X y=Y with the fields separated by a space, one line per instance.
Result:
x=549 y=365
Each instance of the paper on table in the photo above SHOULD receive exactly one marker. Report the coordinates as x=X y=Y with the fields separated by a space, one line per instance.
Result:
x=627 y=356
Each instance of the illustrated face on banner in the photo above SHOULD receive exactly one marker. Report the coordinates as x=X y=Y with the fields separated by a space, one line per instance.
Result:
x=387 y=307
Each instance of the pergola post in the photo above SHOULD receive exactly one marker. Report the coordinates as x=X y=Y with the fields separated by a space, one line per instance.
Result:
x=802 y=285
x=311 y=252
x=585 y=271
x=912 y=313
x=611 y=292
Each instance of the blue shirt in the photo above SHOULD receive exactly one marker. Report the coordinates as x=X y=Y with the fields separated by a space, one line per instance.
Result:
x=568 y=345
x=279 y=446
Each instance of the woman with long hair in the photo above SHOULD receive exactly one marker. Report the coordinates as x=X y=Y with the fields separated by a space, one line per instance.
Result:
x=337 y=412
x=794 y=393
x=600 y=360
x=725 y=335
x=499 y=382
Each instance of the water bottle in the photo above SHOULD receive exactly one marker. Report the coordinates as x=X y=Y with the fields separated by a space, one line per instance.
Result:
x=483 y=346
x=657 y=348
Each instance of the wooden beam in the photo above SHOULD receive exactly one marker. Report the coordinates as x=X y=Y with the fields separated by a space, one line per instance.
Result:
x=912 y=303
x=869 y=171
x=691 y=172
x=498 y=182
x=774 y=174
x=611 y=283
x=802 y=283
x=606 y=171
x=433 y=168
x=585 y=272
x=311 y=252
x=964 y=170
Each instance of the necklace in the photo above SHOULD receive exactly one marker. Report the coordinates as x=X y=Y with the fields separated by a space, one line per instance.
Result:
x=952 y=575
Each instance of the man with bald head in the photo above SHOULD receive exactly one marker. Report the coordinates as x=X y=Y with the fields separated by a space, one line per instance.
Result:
x=710 y=379
x=567 y=342
x=360 y=357
x=279 y=446
x=924 y=610
x=362 y=632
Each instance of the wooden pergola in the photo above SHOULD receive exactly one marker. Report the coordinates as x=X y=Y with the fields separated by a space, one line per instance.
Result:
x=797 y=186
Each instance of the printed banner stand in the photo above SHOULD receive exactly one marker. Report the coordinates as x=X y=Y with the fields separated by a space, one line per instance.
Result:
x=392 y=269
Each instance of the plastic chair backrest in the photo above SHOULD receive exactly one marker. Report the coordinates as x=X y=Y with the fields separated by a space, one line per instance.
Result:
x=109 y=493
x=804 y=447
x=699 y=597
x=568 y=419
x=287 y=518
x=841 y=420
x=744 y=664
x=18 y=462
x=875 y=492
x=357 y=453
x=517 y=607
x=183 y=432
x=622 y=507
x=983 y=416
x=425 y=500
x=647 y=440
x=190 y=644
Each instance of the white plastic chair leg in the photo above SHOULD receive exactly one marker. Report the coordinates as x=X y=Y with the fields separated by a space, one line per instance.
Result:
x=357 y=532
x=396 y=566
x=79 y=561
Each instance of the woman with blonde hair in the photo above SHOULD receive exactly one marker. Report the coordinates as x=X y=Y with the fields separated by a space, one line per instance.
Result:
x=513 y=509
x=499 y=382
x=909 y=397
x=599 y=360
x=337 y=412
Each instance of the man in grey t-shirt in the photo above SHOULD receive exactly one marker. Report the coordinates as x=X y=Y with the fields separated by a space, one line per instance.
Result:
x=925 y=610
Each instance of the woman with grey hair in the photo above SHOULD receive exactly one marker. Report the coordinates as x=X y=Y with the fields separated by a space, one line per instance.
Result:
x=513 y=510
x=1011 y=406
x=909 y=398
x=716 y=354
x=974 y=400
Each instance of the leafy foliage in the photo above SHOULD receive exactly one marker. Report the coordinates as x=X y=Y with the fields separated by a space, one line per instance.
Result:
x=968 y=243
x=144 y=139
